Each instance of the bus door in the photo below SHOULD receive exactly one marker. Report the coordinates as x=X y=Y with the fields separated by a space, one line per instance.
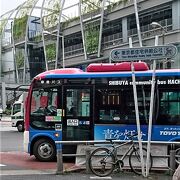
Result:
x=77 y=119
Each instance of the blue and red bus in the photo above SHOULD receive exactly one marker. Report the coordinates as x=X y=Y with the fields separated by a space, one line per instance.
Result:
x=70 y=105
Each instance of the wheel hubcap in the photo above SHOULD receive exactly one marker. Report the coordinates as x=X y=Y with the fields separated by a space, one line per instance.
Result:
x=45 y=150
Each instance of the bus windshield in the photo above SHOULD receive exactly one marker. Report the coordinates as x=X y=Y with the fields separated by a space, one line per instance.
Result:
x=43 y=105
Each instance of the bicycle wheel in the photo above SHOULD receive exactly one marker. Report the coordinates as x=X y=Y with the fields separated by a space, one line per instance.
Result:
x=178 y=155
x=135 y=160
x=101 y=162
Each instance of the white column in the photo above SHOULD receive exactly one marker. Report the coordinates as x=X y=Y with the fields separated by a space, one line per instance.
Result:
x=3 y=95
x=176 y=15
x=124 y=30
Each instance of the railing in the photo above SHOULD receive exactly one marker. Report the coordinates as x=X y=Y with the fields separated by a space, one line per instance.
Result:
x=117 y=39
x=148 y=31
x=59 y=144
x=112 y=40
x=74 y=49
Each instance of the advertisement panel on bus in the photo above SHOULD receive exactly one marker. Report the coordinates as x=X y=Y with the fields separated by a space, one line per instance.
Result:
x=159 y=133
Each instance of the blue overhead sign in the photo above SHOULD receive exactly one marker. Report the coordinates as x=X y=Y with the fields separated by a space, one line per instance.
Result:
x=143 y=53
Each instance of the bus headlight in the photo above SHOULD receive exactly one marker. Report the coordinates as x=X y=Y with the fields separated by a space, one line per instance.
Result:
x=56 y=134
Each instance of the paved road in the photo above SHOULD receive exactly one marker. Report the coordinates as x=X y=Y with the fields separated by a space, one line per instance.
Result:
x=13 y=159
x=11 y=141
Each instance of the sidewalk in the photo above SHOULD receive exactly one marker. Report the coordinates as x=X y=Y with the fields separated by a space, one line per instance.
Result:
x=20 y=165
x=83 y=176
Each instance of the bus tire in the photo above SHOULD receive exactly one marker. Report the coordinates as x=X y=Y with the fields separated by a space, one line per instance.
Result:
x=44 y=150
x=20 y=127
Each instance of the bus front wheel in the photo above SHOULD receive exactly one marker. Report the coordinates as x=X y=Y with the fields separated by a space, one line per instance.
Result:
x=44 y=150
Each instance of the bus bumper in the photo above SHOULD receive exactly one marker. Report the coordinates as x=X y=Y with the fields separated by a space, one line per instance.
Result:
x=26 y=141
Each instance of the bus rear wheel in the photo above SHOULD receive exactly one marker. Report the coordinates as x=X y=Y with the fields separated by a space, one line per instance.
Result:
x=44 y=150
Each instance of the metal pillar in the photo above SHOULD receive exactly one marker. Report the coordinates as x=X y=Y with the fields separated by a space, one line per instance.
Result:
x=88 y=152
x=82 y=31
x=13 y=43
x=58 y=32
x=63 y=59
x=137 y=118
x=172 y=161
x=151 y=112
x=137 y=23
x=43 y=40
x=59 y=159
x=137 y=111
x=0 y=58
x=26 y=42
x=1 y=38
x=59 y=162
x=101 y=27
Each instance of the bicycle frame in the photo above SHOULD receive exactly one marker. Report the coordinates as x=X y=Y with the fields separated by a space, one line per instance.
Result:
x=115 y=148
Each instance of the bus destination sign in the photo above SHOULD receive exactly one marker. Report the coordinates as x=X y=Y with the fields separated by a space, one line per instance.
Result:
x=143 y=53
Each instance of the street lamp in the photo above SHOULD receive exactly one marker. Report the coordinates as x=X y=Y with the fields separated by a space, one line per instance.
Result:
x=163 y=31
x=49 y=33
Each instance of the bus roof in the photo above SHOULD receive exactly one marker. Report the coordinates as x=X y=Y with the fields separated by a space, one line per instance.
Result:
x=78 y=73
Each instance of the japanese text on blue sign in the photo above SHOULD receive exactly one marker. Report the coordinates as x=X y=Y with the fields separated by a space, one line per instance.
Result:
x=144 y=53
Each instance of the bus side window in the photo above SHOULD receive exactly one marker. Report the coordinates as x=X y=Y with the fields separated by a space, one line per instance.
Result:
x=169 y=114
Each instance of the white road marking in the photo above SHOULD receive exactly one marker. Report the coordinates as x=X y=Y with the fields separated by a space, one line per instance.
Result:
x=25 y=172
x=1 y=165
x=97 y=177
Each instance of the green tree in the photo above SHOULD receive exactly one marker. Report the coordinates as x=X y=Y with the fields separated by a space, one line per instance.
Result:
x=51 y=51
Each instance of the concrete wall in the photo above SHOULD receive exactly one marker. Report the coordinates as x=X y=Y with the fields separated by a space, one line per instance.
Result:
x=176 y=14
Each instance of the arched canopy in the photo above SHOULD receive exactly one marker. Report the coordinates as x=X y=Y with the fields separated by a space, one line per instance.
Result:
x=15 y=28
x=50 y=10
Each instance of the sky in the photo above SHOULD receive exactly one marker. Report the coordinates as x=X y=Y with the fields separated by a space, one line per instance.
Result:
x=7 y=5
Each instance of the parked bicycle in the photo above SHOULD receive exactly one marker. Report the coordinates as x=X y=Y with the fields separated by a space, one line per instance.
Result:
x=103 y=160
